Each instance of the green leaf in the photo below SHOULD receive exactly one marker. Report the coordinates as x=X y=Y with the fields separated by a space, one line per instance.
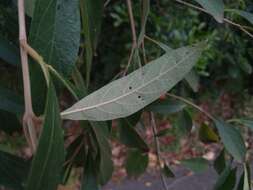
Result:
x=184 y=123
x=197 y=165
x=248 y=16
x=167 y=171
x=129 y=94
x=101 y=134
x=232 y=140
x=49 y=158
x=89 y=181
x=136 y=163
x=207 y=134
x=9 y=52
x=226 y=180
x=246 y=122
x=214 y=7
x=91 y=12
x=245 y=180
x=11 y=102
x=220 y=162
x=165 y=132
x=130 y=137
x=55 y=33
x=13 y=171
x=166 y=107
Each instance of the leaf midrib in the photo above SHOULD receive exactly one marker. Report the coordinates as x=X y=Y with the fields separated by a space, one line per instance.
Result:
x=129 y=93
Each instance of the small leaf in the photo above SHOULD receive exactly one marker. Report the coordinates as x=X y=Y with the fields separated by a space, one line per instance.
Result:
x=136 y=163
x=226 y=180
x=129 y=94
x=104 y=155
x=91 y=13
x=248 y=16
x=184 y=123
x=246 y=122
x=214 y=7
x=197 y=165
x=13 y=171
x=130 y=137
x=245 y=180
x=166 y=107
x=49 y=158
x=232 y=140
x=207 y=134
x=220 y=162
x=9 y=52
x=167 y=171
x=29 y=7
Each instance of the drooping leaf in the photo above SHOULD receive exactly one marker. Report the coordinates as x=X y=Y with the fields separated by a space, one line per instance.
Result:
x=91 y=12
x=226 y=180
x=214 y=7
x=184 y=123
x=207 y=134
x=220 y=162
x=49 y=158
x=104 y=151
x=197 y=165
x=136 y=163
x=167 y=171
x=55 y=33
x=11 y=102
x=13 y=171
x=166 y=107
x=89 y=181
x=129 y=136
x=9 y=52
x=232 y=139
x=245 y=180
x=129 y=94
x=247 y=15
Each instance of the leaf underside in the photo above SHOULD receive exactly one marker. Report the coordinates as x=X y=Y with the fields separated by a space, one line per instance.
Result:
x=129 y=94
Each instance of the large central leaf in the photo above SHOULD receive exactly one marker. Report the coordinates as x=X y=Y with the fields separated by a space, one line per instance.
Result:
x=129 y=94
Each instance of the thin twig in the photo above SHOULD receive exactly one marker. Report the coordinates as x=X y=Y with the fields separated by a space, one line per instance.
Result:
x=191 y=104
x=29 y=116
x=134 y=36
x=157 y=149
x=225 y=19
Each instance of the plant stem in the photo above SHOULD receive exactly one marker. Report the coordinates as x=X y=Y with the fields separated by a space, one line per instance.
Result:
x=191 y=104
x=157 y=149
x=29 y=116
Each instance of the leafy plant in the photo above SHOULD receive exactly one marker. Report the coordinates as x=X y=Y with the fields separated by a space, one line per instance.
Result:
x=68 y=49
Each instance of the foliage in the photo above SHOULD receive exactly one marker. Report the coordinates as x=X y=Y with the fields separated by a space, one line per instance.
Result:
x=82 y=50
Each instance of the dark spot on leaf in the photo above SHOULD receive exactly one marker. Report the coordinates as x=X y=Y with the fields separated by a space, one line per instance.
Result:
x=139 y=96
x=130 y=87
x=58 y=7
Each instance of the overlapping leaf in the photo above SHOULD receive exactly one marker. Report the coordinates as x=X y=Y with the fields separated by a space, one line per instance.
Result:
x=248 y=16
x=129 y=94
x=214 y=7
x=48 y=161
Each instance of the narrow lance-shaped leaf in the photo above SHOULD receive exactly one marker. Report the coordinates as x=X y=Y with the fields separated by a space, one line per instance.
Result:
x=129 y=94
x=55 y=32
x=91 y=12
x=214 y=7
x=48 y=160
x=232 y=140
